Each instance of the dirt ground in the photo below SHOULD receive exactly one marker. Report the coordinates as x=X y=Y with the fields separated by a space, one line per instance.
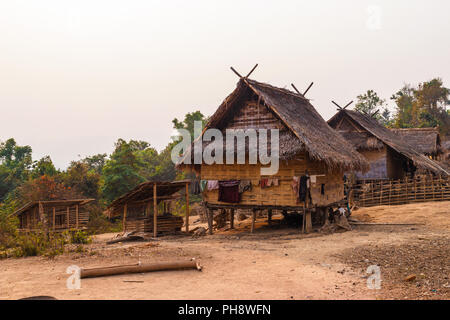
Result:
x=275 y=262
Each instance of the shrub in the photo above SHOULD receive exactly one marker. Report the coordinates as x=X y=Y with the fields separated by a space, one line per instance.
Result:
x=80 y=237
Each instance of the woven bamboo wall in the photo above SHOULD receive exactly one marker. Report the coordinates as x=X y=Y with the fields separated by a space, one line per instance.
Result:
x=281 y=195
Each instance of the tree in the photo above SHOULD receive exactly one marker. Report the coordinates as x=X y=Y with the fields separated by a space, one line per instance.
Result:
x=188 y=122
x=369 y=103
x=83 y=178
x=15 y=164
x=121 y=171
x=43 y=167
x=424 y=106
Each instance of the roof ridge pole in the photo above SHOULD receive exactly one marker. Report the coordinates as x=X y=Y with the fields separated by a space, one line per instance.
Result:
x=251 y=71
x=307 y=89
x=339 y=107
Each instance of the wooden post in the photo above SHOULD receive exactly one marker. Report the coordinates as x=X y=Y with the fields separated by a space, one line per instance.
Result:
x=155 y=211
x=269 y=216
x=76 y=217
x=308 y=222
x=124 y=220
x=54 y=217
x=253 y=220
x=187 y=207
x=232 y=218
x=68 y=217
x=210 y=213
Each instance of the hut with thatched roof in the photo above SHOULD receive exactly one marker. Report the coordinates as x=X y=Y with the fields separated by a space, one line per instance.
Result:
x=312 y=156
x=389 y=153
x=424 y=140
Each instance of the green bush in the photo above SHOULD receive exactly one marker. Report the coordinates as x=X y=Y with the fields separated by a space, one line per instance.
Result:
x=80 y=237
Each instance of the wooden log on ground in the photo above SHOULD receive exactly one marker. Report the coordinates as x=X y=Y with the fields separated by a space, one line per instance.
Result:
x=139 y=268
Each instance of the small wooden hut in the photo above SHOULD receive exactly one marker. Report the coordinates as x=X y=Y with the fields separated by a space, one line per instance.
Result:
x=139 y=207
x=308 y=147
x=54 y=215
x=390 y=155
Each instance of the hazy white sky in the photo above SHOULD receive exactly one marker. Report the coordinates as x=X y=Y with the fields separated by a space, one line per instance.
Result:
x=77 y=75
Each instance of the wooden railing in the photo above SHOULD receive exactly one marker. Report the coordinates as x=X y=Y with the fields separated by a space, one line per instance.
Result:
x=394 y=192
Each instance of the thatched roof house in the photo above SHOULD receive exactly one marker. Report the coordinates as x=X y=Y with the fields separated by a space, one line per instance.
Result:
x=390 y=156
x=424 y=140
x=307 y=147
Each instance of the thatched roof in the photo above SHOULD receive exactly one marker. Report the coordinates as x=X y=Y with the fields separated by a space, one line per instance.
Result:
x=306 y=129
x=56 y=203
x=390 y=139
x=143 y=193
x=424 y=140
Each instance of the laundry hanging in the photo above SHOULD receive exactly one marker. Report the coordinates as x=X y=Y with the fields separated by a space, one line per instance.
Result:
x=245 y=185
x=203 y=184
x=303 y=189
x=229 y=191
x=212 y=185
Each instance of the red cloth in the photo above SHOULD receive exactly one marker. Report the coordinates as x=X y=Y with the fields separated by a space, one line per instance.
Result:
x=229 y=191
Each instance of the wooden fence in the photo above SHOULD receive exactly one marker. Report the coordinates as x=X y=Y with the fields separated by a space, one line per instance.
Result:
x=394 y=192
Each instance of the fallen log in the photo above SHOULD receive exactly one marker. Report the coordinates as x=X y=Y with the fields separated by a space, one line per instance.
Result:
x=139 y=268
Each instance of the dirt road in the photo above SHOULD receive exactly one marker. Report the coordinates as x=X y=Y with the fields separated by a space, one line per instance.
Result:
x=273 y=263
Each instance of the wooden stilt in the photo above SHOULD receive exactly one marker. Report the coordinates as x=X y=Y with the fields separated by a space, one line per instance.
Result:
x=187 y=207
x=269 y=216
x=155 y=211
x=232 y=218
x=308 y=222
x=253 y=220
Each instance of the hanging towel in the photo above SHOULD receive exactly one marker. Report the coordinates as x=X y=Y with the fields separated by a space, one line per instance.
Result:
x=203 y=184
x=212 y=185
x=272 y=182
x=229 y=191
x=245 y=185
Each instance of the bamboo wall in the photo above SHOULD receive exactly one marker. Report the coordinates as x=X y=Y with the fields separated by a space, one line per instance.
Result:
x=281 y=195
x=394 y=192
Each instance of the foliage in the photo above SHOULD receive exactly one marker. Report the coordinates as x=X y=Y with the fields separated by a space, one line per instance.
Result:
x=370 y=103
x=423 y=106
x=80 y=237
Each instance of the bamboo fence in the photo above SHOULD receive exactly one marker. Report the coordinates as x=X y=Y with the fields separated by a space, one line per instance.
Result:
x=395 y=192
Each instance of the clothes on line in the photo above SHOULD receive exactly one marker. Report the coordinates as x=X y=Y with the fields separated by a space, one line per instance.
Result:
x=245 y=185
x=212 y=185
x=203 y=184
x=303 y=188
x=229 y=191
x=195 y=187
